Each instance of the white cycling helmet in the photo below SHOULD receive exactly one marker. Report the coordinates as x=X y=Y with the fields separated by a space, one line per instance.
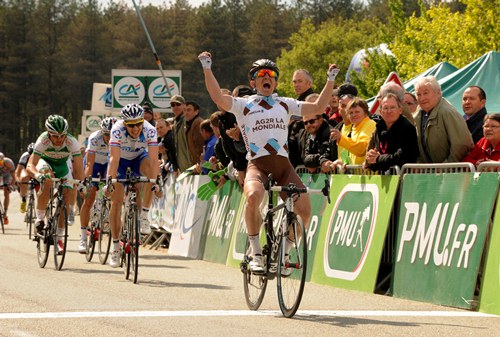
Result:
x=131 y=112
x=1 y=156
x=107 y=124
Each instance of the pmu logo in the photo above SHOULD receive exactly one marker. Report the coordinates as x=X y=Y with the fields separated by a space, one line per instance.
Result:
x=350 y=231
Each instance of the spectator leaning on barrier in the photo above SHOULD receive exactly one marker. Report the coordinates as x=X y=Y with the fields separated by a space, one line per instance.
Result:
x=193 y=135
x=474 y=106
x=346 y=93
x=442 y=133
x=394 y=141
x=394 y=88
x=362 y=130
x=488 y=147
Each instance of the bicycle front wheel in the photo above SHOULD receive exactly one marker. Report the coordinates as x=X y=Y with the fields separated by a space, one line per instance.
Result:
x=104 y=237
x=254 y=285
x=1 y=218
x=292 y=269
x=60 y=240
x=134 y=245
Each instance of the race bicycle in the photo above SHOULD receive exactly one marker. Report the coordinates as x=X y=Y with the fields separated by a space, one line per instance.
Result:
x=130 y=239
x=289 y=269
x=56 y=217
x=2 y=212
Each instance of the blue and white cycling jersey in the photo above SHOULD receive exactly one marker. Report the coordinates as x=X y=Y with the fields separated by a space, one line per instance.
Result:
x=264 y=123
x=132 y=148
x=98 y=146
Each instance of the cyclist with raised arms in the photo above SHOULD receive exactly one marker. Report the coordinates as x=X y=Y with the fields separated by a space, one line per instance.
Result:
x=50 y=159
x=263 y=119
x=8 y=179
x=23 y=176
x=96 y=166
x=133 y=144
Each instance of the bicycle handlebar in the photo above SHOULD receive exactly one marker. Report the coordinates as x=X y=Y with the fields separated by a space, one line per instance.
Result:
x=293 y=189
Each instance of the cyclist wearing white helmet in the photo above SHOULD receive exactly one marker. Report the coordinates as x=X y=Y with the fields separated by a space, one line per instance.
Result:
x=7 y=182
x=133 y=144
x=53 y=150
x=263 y=119
x=23 y=176
x=96 y=165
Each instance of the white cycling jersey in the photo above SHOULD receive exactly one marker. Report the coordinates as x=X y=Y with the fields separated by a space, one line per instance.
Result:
x=132 y=148
x=264 y=123
x=98 y=146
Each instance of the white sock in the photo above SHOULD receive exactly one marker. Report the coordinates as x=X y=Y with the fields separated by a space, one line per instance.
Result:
x=84 y=233
x=255 y=244
x=116 y=244
x=288 y=245
x=60 y=232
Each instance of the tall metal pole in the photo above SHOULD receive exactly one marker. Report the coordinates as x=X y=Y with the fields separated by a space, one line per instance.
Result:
x=158 y=62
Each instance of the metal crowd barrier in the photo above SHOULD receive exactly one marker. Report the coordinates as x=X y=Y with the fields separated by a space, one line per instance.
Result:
x=489 y=166
x=437 y=168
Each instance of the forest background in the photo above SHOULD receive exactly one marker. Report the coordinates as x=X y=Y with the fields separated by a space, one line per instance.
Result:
x=52 y=51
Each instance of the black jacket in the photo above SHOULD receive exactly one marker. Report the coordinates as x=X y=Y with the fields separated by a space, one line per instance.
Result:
x=475 y=125
x=397 y=145
x=320 y=149
x=235 y=150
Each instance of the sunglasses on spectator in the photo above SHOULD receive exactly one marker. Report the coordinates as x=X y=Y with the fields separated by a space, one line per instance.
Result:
x=311 y=121
x=57 y=135
x=174 y=104
x=134 y=123
x=347 y=95
x=264 y=72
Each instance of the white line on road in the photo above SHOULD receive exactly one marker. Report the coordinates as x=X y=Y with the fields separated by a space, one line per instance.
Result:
x=227 y=313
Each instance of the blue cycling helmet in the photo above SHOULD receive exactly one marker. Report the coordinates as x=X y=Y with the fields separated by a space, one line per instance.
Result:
x=107 y=124
x=131 y=112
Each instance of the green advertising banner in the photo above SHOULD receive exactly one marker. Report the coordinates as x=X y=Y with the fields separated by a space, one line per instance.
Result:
x=353 y=231
x=489 y=298
x=318 y=203
x=222 y=210
x=442 y=226
x=239 y=237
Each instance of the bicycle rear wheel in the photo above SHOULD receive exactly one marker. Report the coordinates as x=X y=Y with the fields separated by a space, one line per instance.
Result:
x=254 y=285
x=134 y=246
x=43 y=241
x=30 y=215
x=62 y=239
x=92 y=232
x=292 y=270
x=104 y=237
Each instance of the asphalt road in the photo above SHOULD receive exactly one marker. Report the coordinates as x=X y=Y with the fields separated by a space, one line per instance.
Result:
x=183 y=297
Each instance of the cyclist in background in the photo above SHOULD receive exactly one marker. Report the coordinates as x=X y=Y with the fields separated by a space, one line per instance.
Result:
x=96 y=166
x=22 y=176
x=8 y=180
x=50 y=159
x=263 y=119
x=133 y=144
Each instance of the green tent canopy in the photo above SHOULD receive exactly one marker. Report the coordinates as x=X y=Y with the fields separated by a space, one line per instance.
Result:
x=439 y=71
x=483 y=72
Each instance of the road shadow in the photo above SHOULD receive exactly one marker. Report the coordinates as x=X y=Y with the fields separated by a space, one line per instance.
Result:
x=351 y=322
x=161 y=284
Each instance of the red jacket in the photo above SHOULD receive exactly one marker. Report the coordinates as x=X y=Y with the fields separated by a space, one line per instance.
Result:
x=483 y=151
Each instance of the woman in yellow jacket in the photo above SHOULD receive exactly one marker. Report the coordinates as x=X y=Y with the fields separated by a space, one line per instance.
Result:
x=354 y=144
